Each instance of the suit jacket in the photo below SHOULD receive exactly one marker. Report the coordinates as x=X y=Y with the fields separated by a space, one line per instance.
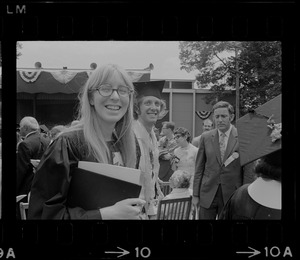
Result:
x=196 y=141
x=210 y=171
x=33 y=147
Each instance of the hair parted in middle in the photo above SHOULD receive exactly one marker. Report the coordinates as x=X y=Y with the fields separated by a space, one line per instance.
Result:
x=88 y=122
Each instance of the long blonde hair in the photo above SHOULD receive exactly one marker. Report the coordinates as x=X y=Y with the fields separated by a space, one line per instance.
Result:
x=89 y=123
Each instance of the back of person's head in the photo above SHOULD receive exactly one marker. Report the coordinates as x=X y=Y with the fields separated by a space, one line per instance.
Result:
x=180 y=179
x=30 y=122
x=269 y=166
x=89 y=119
x=224 y=104
x=183 y=132
x=169 y=125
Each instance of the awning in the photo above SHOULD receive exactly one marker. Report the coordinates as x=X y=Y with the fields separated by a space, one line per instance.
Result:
x=62 y=81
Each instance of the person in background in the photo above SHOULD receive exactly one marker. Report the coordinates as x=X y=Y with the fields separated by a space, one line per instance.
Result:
x=104 y=134
x=32 y=147
x=146 y=112
x=166 y=146
x=186 y=153
x=44 y=131
x=207 y=126
x=218 y=172
x=180 y=184
x=260 y=137
x=55 y=130
x=156 y=131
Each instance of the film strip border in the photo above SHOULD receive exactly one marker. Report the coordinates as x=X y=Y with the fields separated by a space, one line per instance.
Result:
x=167 y=240
x=143 y=22
x=164 y=240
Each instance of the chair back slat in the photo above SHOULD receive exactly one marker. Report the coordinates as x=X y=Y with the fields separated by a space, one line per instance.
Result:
x=174 y=209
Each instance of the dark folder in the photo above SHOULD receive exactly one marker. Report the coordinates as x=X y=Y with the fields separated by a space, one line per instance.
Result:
x=90 y=190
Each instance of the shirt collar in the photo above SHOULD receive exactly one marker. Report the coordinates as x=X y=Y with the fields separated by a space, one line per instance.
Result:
x=227 y=132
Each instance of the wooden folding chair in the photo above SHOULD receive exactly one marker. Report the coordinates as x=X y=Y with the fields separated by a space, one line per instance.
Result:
x=23 y=210
x=174 y=209
x=165 y=187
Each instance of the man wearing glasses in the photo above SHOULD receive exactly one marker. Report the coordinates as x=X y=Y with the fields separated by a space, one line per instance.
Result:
x=166 y=146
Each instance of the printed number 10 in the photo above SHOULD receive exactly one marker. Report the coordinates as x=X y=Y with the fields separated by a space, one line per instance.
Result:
x=144 y=252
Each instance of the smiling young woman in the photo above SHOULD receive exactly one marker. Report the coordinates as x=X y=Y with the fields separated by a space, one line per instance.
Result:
x=103 y=134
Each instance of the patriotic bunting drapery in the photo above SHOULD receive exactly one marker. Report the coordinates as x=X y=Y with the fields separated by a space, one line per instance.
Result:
x=63 y=76
x=203 y=114
x=63 y=81
x=29 y=76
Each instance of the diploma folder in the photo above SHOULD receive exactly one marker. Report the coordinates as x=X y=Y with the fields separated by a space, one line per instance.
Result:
x=98 y=185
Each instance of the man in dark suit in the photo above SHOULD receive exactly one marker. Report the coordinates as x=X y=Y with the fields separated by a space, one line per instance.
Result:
x=218 y=172
x=33 y=146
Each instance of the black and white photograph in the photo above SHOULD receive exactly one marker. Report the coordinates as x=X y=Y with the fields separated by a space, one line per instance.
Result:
x=148 y=130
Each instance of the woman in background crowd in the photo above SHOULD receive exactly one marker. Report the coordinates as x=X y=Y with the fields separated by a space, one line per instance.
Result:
x=185 y=154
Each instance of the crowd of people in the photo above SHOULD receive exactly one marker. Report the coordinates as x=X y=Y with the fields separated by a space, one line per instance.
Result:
x=116 y=125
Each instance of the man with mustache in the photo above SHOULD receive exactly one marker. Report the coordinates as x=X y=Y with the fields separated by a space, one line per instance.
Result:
x=218 y=172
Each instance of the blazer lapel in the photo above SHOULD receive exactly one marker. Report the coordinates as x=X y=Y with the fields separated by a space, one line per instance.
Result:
x=233 y=138
x=215 y=142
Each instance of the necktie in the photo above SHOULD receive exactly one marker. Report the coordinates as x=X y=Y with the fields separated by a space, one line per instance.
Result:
x=222 y=145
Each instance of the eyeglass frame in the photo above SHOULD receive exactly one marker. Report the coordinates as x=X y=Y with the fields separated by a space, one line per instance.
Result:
x=113 y=89
x=178 y=136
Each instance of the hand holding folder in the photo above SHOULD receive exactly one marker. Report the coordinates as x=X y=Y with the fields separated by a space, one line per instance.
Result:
x=98 y=185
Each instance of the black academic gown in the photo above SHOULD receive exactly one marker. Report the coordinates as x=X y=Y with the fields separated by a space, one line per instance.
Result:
x=33 y=147
x=50 y=186
x=242 y=207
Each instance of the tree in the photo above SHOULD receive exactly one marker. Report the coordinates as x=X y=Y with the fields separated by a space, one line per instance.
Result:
x=259 y=68
x=19 y=47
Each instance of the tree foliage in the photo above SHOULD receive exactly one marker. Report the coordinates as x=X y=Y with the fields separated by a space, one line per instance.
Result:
x=19 y=47
x=259 y=68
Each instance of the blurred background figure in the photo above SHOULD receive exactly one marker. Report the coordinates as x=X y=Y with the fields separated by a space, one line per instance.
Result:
x=156 y=131
x=207 y=126
x=166 y=146
x=33 y=146
x=55 y=130
x=259 y=137
x=180 y=184
x=44 y=131
x=185 y=154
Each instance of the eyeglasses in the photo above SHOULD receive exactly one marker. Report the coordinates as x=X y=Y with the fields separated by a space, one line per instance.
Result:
x=107 y=90
x=177 y=136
